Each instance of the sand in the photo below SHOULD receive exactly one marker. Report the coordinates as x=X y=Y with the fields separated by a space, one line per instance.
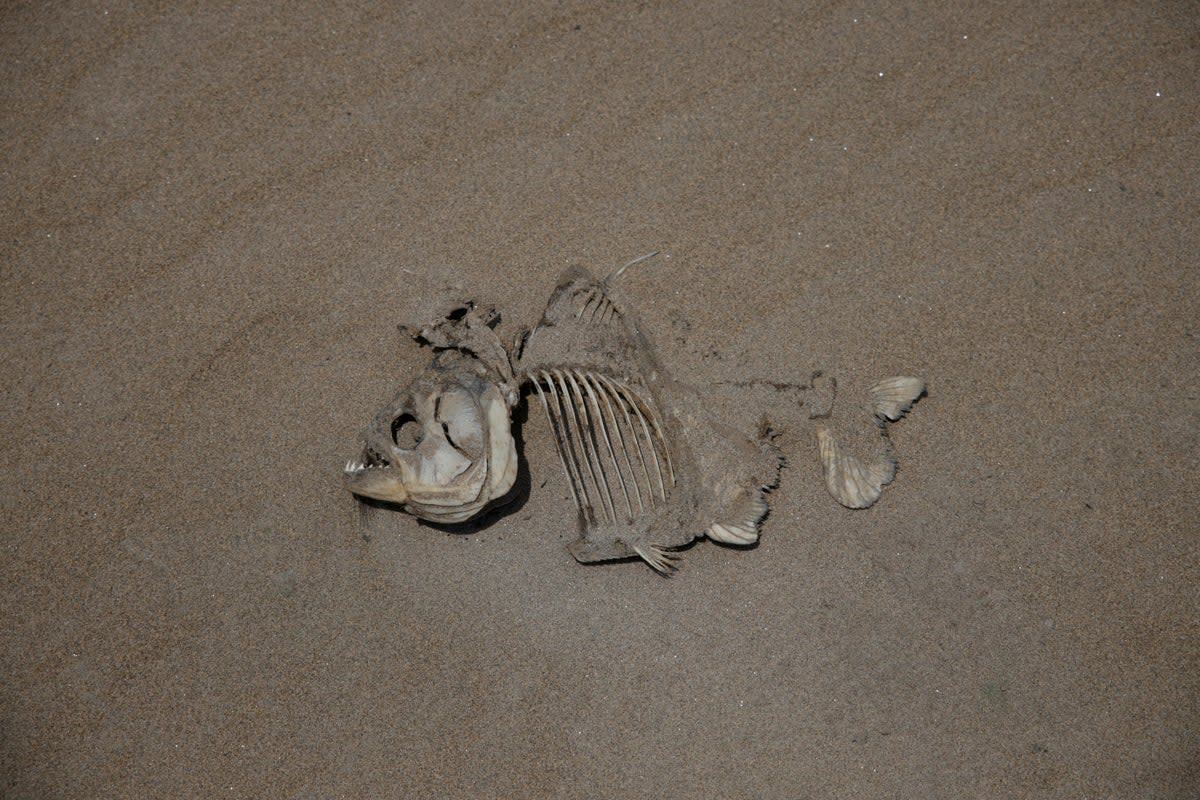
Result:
x=214 y=217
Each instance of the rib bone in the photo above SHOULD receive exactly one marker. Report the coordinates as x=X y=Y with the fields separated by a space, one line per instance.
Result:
x=559 y=444
x=637 y=405
x=570 y=437
x=588 y=434
x=599 y=417
x=581 y=409
x=615 y=390
x=606 y=394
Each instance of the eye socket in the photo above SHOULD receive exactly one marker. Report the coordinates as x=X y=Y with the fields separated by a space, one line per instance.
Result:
x=406 y=432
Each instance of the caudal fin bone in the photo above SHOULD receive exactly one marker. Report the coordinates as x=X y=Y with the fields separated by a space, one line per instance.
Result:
x=853 y=482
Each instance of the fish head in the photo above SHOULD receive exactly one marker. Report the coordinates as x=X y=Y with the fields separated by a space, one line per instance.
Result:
x=443 y=449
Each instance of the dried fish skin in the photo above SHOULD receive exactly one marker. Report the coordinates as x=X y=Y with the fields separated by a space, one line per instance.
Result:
x=586 y=325
x=470 y=330
x=739 y=471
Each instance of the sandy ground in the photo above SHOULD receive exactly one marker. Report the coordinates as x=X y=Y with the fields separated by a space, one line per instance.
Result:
x=214 y=217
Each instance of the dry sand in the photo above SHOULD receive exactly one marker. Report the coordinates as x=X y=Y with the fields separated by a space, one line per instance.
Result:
x=214 y=217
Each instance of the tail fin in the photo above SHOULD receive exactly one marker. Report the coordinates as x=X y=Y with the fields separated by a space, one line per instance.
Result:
x=891 y=398
x=853 y=481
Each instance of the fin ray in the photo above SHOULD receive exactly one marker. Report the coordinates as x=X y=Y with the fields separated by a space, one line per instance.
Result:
x=661 y=561
x=891 y=398
x=852 y=482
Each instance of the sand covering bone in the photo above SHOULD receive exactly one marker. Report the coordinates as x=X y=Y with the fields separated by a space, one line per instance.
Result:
x=649 y=465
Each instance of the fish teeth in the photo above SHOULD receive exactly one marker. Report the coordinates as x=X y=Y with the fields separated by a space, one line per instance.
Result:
x=357 y=466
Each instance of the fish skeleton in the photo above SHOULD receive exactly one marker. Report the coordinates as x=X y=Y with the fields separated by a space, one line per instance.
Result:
x=650 y=466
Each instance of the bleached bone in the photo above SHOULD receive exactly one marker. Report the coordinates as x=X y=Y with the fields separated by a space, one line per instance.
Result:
x=593 y=441
x=461 y=457
x=612 y=396
x=590 y=435
x=602 y=392
x=559 y=446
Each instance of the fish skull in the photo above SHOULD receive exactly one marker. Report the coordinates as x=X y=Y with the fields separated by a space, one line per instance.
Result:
x=444 y=448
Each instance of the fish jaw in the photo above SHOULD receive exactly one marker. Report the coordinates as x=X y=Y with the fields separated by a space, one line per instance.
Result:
x=375 y=482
